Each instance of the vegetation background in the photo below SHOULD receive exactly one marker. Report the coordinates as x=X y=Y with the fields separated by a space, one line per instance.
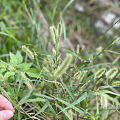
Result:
x=69 y=71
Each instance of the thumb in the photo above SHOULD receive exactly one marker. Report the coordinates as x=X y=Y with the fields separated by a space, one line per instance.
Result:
x=5 y=114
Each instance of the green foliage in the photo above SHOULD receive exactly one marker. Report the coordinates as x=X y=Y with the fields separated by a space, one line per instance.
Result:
x=49 y=83
x=53 y=91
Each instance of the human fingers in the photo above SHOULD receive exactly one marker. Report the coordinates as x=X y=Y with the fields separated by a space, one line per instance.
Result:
x=6 y=114
x=5 y=104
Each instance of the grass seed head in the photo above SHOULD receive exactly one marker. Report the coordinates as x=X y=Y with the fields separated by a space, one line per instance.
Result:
x=28 y=52
x=62 y=68
x=100 y=73
x=112 y=73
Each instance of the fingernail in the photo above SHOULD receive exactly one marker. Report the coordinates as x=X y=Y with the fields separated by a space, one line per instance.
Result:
x=9 y=114
x=13 y=110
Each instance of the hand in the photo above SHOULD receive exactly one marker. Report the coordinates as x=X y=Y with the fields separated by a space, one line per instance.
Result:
x=6 y=109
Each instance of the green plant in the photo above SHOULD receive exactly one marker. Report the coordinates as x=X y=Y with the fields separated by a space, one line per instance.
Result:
x=44 y=86
x=54 y=83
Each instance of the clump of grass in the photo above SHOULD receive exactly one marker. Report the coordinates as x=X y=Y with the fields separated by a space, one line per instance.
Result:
x=59 y=89
x=45 y=85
